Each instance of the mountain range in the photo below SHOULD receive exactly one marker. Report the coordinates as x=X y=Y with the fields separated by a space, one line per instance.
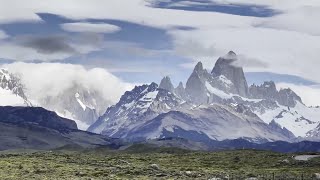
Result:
x=212 y=106
x=217 y=105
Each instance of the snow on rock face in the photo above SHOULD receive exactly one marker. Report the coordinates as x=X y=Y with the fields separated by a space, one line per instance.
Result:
x=11 y=90
x=148 y=112
x=299 y=120
x=135 y=108
x=132 y=104
x=217 y=92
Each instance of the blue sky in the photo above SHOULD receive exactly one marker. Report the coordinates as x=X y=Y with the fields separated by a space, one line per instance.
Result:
x=140 y=41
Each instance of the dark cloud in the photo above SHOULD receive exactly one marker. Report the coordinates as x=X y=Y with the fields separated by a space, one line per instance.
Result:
x=47 y=44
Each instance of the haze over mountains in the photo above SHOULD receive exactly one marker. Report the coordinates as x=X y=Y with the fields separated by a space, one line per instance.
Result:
x=212 y=106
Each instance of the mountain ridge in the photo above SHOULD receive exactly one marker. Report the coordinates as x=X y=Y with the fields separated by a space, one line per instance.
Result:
x=226 y=86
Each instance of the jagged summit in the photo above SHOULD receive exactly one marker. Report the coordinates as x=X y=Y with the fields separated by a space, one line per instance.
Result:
x=198 y=68
x=224 y=67
x=180 y=91
x=166 y=84
x=230 y=55
x=268 y=90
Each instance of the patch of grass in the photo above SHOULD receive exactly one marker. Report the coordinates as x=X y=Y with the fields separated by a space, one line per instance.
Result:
x=141 y=162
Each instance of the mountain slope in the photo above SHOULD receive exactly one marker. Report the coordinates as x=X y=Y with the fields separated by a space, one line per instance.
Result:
x=37 y=128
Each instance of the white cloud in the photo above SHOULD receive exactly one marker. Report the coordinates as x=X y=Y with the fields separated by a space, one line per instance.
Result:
x=50 y=79
x=302 y=19
x=90 y=27
x=3 y=35
x=310 y=95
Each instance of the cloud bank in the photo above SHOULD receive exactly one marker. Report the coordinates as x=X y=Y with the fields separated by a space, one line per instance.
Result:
x=50 y=79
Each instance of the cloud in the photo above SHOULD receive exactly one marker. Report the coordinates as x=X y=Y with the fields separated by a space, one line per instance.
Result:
x=261 y=49
x=12 y=51
x=301 y=20
x=50 y=79
x=287 y=43
x=46 y=44
x=50 y=47
x=90 y=27
x=310 y=95
x=3 y=35
x=244 y=61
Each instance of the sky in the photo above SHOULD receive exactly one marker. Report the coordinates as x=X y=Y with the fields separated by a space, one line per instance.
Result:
x=140 y=41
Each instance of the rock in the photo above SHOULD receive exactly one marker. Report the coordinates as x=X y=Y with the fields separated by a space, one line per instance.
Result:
x=268 y=90
x=316 y=175
x=180 y=91
x=155 y=166
x=166 y=84
x=214 y=178
x=80 y=173
x=225 y=66
x=195 y=85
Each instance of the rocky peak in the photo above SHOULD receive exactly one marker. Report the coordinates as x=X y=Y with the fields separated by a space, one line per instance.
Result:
x=166 y=84
x=198 y=68
x=235 y=74
x=180 y=86
x=267 y=90
x=136 y=92
x=230 y=55
x=289 y=98
x=180 y=91
x=195 y=86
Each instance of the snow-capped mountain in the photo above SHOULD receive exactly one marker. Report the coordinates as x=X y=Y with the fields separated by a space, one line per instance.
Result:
x=213 y=106
x=11 y=90
x=77 y=103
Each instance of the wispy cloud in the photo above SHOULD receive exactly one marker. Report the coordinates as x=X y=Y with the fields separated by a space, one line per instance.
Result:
x=90 y=27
